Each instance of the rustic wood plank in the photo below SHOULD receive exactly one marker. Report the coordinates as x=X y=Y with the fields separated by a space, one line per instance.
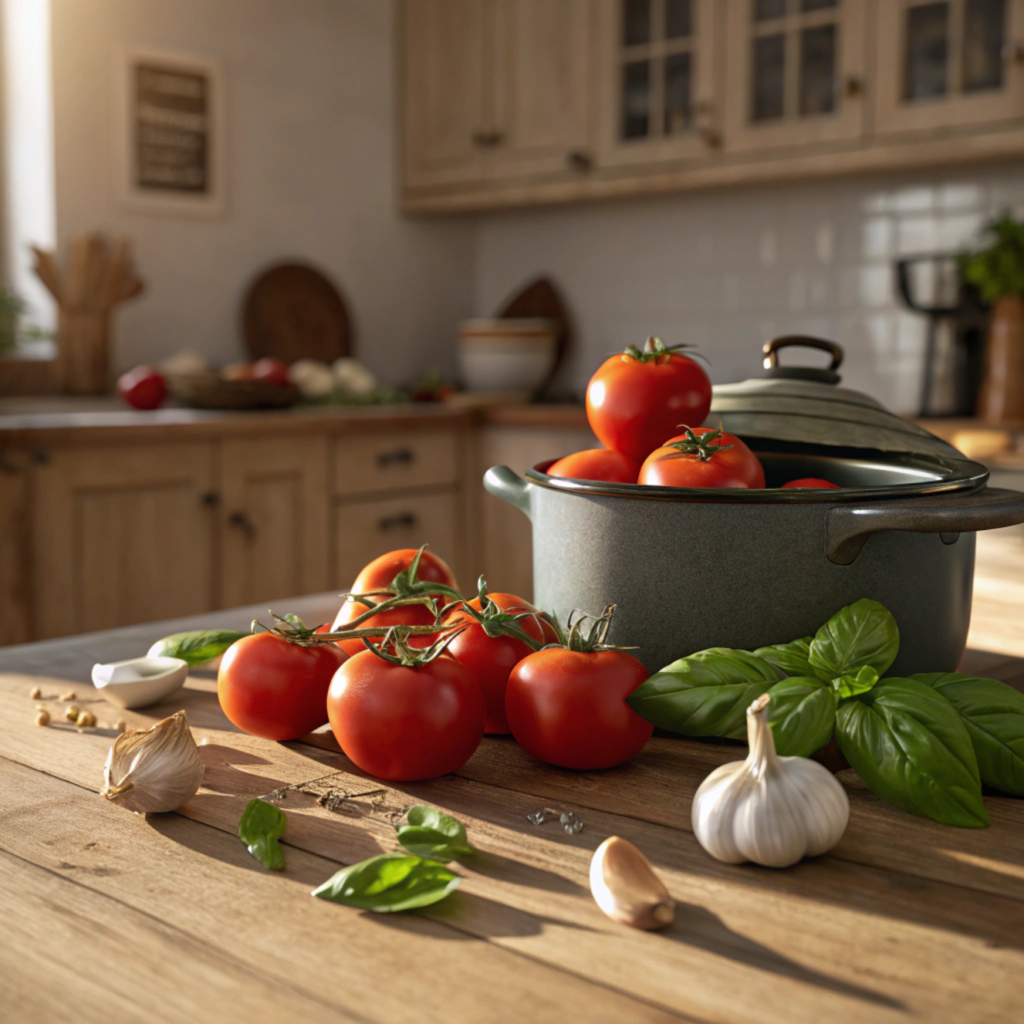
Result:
x=823 y=932
x=199 y=887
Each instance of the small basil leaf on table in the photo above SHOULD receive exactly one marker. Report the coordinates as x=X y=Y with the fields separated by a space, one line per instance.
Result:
x=792 y=658
x=863 y=633
x=802 y=715
x=261 y=826
x=851 y=686
x=994 y=716
x=706 y=694
x=429 y=833
x=197 y=647
x=389 y=883
x=907 y=742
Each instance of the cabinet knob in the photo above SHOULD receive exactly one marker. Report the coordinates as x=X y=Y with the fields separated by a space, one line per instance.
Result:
x=580 y=160
x=710 y=138
x=209 y=499
x=402 y=521
x=1013 y=53
x=853 y=87
x=242 y=522
x=487 y=139
x=398 y=457
x=40 y=455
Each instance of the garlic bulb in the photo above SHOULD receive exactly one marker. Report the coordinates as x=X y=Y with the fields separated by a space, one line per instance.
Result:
x=769 y=809
x=153 y=770
x=626 y=888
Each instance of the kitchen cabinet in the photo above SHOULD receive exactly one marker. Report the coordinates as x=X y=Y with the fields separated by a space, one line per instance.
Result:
x=795 y=72
x=949 y=64
x=121 y=535
x=273 y=519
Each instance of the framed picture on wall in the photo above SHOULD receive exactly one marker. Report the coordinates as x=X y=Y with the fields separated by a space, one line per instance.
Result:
x=169 y=139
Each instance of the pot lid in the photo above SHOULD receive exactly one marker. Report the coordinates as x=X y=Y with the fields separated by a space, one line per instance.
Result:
x=805 y=405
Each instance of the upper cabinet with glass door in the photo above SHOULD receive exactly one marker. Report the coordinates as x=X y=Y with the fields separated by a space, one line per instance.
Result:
x=794 y=72
x=949 y=63
x=656 y=67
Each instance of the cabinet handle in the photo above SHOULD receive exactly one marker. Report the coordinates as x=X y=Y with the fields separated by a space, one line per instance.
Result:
x=243 y=523
x=710 y=137
x=1013 y=53
x=402 y=521
x=398 y=457
x=40 y=455
x=209 y=499
x=580 y=160
x=853 y=87
x=487 y=139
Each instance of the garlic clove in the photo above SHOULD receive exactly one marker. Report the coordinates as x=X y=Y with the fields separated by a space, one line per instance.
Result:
x=150 y=771
x=626 y=887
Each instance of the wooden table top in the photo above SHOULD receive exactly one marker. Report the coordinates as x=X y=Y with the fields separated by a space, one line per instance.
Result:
x=110 y=917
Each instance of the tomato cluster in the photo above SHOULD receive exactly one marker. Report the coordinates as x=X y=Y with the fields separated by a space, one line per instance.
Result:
x=412 y=695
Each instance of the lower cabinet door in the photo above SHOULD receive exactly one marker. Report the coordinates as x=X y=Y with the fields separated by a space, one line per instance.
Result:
x=121 y=535
x=365 y=529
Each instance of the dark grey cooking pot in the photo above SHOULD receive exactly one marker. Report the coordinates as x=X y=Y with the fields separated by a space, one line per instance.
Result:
x=693 y=568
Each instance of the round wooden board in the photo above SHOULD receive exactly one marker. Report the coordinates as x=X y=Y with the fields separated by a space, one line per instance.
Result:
x=292 y=311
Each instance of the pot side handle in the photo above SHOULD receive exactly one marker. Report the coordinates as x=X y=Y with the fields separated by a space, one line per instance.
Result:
x=847 y=529
x=503 y=483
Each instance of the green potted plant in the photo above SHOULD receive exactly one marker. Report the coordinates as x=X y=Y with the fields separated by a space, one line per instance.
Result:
x=998 y=273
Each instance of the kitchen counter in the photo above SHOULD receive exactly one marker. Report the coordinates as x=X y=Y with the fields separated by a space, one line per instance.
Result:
x=109 y=916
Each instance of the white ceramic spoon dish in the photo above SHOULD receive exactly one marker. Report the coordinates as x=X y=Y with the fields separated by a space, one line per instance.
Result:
x=139 y=682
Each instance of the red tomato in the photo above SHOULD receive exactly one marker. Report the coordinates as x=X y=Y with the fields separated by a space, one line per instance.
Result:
x=596 y=464
x=569 y=708
x=275 y=689
x=378 y=575
x=812 y=481
x=719 y=460
x=637 y=399
x=491 y=658
x=142 y=388
x=274 y=371
x=405 y=723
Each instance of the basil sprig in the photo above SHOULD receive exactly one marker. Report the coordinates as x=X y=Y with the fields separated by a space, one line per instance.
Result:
x=197 y=647
x=432 y=835
x=925 y=743
x=389 y=883
x=261 y=826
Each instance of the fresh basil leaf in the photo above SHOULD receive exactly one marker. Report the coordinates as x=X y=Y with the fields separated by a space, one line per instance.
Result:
x=706 y=694
x=863 y=633
x=261 y=826
x=994 y=715
x=851 y=686
x=791 y=658
x=197 y=647
x=389 y=883
x=429 y=833
x=907 y=742
x=802 y=714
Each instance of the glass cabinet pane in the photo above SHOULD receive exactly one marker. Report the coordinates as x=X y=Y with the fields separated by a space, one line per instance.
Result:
x=636 y=99
x=677 y=93
x=769 y=78
x=984 y=29
x=636 y=22
x=765 y=9
x=678 y=20
x=927 y=58
x=818 y=70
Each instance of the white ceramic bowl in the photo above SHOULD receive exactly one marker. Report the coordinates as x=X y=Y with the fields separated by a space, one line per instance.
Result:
x=506 y=355
x=139 y=682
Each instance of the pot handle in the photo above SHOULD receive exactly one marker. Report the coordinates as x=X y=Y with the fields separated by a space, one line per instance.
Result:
x=847 y=529
x=510 y=487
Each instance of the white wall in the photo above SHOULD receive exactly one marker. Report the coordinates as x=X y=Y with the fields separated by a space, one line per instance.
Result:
x=311 y=157
x=727 y=270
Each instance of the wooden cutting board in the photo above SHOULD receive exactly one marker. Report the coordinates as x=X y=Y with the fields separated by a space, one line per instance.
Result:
x=541 y=299
x=293 y=311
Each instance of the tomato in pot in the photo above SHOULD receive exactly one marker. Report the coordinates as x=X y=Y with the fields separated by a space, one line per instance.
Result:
x=637 y=399
x=567 y=705
x=703 y=457
x=271 y=687
x=493 y=642
x=142 y=388
x=404 y=573
x=596 y=464
x=405 y=714
x=815 y=482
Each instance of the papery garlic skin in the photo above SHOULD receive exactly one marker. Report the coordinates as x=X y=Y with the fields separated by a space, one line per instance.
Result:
x=151 y=771
x=768 y=809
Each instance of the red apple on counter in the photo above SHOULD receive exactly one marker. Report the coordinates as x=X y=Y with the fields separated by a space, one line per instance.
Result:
x=142 y=388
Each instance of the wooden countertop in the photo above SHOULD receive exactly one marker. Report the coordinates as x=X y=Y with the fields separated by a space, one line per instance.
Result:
x=55 y=421
x=110 y=917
